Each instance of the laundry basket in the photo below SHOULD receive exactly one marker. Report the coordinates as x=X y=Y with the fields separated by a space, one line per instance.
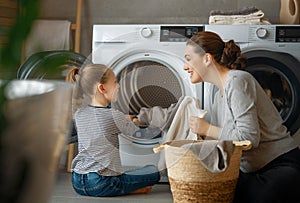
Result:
x=190 y=181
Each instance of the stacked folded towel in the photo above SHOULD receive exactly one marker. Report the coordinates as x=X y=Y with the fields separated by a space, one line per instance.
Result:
x=246 y=15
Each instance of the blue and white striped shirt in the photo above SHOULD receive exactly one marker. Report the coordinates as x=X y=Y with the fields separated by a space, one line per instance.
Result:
x=98 y=129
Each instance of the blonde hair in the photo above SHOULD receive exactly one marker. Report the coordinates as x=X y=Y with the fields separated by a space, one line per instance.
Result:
x=72 y=74
x=86 y=80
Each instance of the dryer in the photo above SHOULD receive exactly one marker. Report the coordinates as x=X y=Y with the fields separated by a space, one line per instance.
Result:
x=148 y=62
x=274 y=60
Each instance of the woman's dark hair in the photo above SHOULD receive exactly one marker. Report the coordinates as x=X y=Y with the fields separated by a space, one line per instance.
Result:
x=224 y=53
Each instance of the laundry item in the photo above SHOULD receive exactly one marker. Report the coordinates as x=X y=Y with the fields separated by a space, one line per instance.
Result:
x=213 y=154
x=48 y=35
x=179 y=128
x=173 y=121
x=246 y=15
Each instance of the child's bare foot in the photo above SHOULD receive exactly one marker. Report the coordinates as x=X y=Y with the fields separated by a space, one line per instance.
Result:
x=143 y=190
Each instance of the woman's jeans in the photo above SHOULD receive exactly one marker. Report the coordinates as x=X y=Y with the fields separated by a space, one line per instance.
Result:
x=93 y=184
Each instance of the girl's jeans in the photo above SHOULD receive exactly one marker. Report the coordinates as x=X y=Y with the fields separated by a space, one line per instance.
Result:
x=93 y=184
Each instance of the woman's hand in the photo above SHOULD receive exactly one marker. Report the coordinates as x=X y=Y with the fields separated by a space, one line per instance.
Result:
x=201 y=127
x=198 y=125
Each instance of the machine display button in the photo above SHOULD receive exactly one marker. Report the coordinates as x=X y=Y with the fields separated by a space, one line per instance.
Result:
x=281 y=40
x=146 y=32
x=261 y=32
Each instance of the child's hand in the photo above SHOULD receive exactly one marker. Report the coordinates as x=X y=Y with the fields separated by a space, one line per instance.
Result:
x=137 y=122
x=134 y=119
x=130 y=117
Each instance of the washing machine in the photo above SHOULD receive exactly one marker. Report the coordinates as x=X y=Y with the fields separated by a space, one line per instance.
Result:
x=148 y=62
x=273 y=59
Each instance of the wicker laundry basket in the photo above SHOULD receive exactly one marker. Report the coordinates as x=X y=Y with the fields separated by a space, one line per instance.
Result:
x=190 y=181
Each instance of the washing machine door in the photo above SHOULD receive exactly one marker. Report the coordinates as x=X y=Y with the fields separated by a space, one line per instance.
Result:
x=150 y=78
x=279 y=75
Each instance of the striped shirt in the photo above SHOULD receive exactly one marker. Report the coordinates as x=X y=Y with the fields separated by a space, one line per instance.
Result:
x=98 y=143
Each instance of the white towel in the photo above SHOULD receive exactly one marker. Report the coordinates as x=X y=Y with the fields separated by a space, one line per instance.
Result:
x=48 y=35
x=252 y=18
x=179 y=128
x=158 y=116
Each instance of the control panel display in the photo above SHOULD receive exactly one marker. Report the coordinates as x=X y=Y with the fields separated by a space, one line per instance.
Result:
x=178 y=33
x=288 y=34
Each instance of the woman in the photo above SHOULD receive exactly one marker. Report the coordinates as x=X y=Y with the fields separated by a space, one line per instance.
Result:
x=97 y=170
x=270 y=171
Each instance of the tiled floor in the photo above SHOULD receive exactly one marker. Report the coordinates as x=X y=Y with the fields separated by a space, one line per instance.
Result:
x=64 y=193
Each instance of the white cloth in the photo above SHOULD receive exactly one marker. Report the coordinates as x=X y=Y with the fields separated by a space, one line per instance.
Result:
x=252 y=18
x=158 y=116
x=48 y=35
x=179 y=128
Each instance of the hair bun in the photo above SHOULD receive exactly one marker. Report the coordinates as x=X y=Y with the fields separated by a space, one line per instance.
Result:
x=232 y=57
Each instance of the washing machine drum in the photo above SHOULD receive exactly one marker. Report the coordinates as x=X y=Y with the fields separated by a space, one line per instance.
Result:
x=147 y=84
x=278 y=74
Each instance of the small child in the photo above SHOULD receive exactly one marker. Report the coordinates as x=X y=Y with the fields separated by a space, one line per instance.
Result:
x=97 y=170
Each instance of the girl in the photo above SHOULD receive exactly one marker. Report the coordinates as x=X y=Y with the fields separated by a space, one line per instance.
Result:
x=270 y=171
x=97 y=170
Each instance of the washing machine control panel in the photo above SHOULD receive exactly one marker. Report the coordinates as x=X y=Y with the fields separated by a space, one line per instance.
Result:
x=178 y=33
x=288 y=34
